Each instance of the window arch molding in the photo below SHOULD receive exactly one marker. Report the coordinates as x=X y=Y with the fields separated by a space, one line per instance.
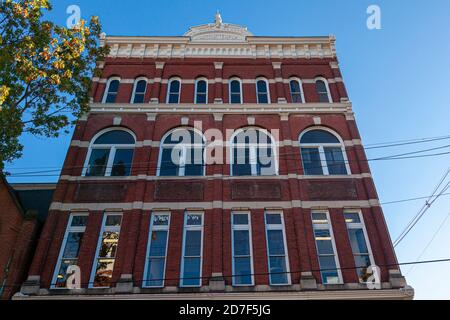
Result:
x=258 y=93
x=232 y=94
x=328 y=158
x=111 y=153
x=135 y=87
x=171 y=93
x=180 y=170
x=327 y=86
x=196 y=90
x=252 y=167
x=300 y=93
x=106 y=93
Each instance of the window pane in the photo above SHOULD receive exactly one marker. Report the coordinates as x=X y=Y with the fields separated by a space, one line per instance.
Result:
x=175 y=86
x=323 y=241
x=191 y=272
x=335 y=160
x=273 y=218
x=193 y=243
x=357 y=241
x=194 y=220
x=103 y=273
x=322 y=91
x=311 y=161
x=240 y=219
x=352 y=217
x=108 y=246
x=262 y=92
x=155 y=272
x=158 y=244
x=139 y=98
x=201 y=86
x=235 y=98
x=243 y=271
x=141 y=86
x=61 y=278
x=167 y=167
x=122 y=162
x=201 y=98
x=275 y=242
x=241 y=243
x=319 y=218
x=112 y=91
x=266 y=165
x=235 y=92
x=173 y=98
x=296 y=92
x=241 y=162
x=318 y=136
x=194 y=162
x=97 y=162
x=328 y=270
x=277 y=270
x=362 y=262
x=160 y=220
x=72 y=245
x=113 y=220
x=79 y=221
x=115 y=137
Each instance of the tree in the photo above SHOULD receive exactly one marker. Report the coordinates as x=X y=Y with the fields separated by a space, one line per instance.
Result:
x=45 y=73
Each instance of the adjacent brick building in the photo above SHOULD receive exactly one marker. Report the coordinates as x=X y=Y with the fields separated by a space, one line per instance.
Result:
x=288 y=209
x=23 y=209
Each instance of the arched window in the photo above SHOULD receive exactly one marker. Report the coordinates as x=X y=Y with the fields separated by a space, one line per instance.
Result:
x=323 y=90
x=181 y=153
x=253 y=153
x=173 y=90
x=111 y=90
x=201 y=91
x=323 y=153
x=139 y=89
x=235 y=89
x=262 y=90
x=110 y=154
x=296 y=91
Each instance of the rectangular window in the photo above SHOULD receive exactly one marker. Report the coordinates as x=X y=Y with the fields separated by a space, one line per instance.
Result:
x=105 y=255
x=122 y=162
x=98 y=162
x=359 y=242
x=191 y=262
x=326 y=248
x=335 y=160
x=276 y=249
x=242 y=249
x=69 y=249
x=311 y=161
x=157 y=250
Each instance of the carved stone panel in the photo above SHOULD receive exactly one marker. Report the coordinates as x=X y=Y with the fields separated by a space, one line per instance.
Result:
x=179 y=190
x=101 y=192
x=330 y=190
x=255 y=190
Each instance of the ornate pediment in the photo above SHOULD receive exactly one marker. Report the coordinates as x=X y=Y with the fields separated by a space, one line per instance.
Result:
x=218 y=32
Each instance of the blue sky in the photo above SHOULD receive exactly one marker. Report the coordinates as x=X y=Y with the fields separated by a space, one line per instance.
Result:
x=397 y=78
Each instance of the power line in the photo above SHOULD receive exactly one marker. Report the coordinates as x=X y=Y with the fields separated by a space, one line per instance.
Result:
x=411 y=199
x=268 y=273
x=431 y=241
x=402 y=156
x=428 y=203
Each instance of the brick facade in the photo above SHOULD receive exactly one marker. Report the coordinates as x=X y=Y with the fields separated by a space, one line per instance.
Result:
x=217 y=193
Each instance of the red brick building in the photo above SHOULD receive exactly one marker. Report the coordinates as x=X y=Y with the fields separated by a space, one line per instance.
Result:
x=217 y=164
x=23 y=209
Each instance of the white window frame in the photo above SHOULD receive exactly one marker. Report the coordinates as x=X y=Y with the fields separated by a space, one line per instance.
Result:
x=112 y=151
x=321 y=147
x=328 y=226
x=253 y=153
x=69 y=229
x=181 y=172
x=168 y=89
x=241 y=93
x=268 y=89
x=330 y=98
x=103 y=229
x=360 y=225
x=247 y=227
x=300 y=83
x=186 y=228
x=108 y=83
x=286 y=252
x=147 y=256
x=195 y=92
x=136 y=81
